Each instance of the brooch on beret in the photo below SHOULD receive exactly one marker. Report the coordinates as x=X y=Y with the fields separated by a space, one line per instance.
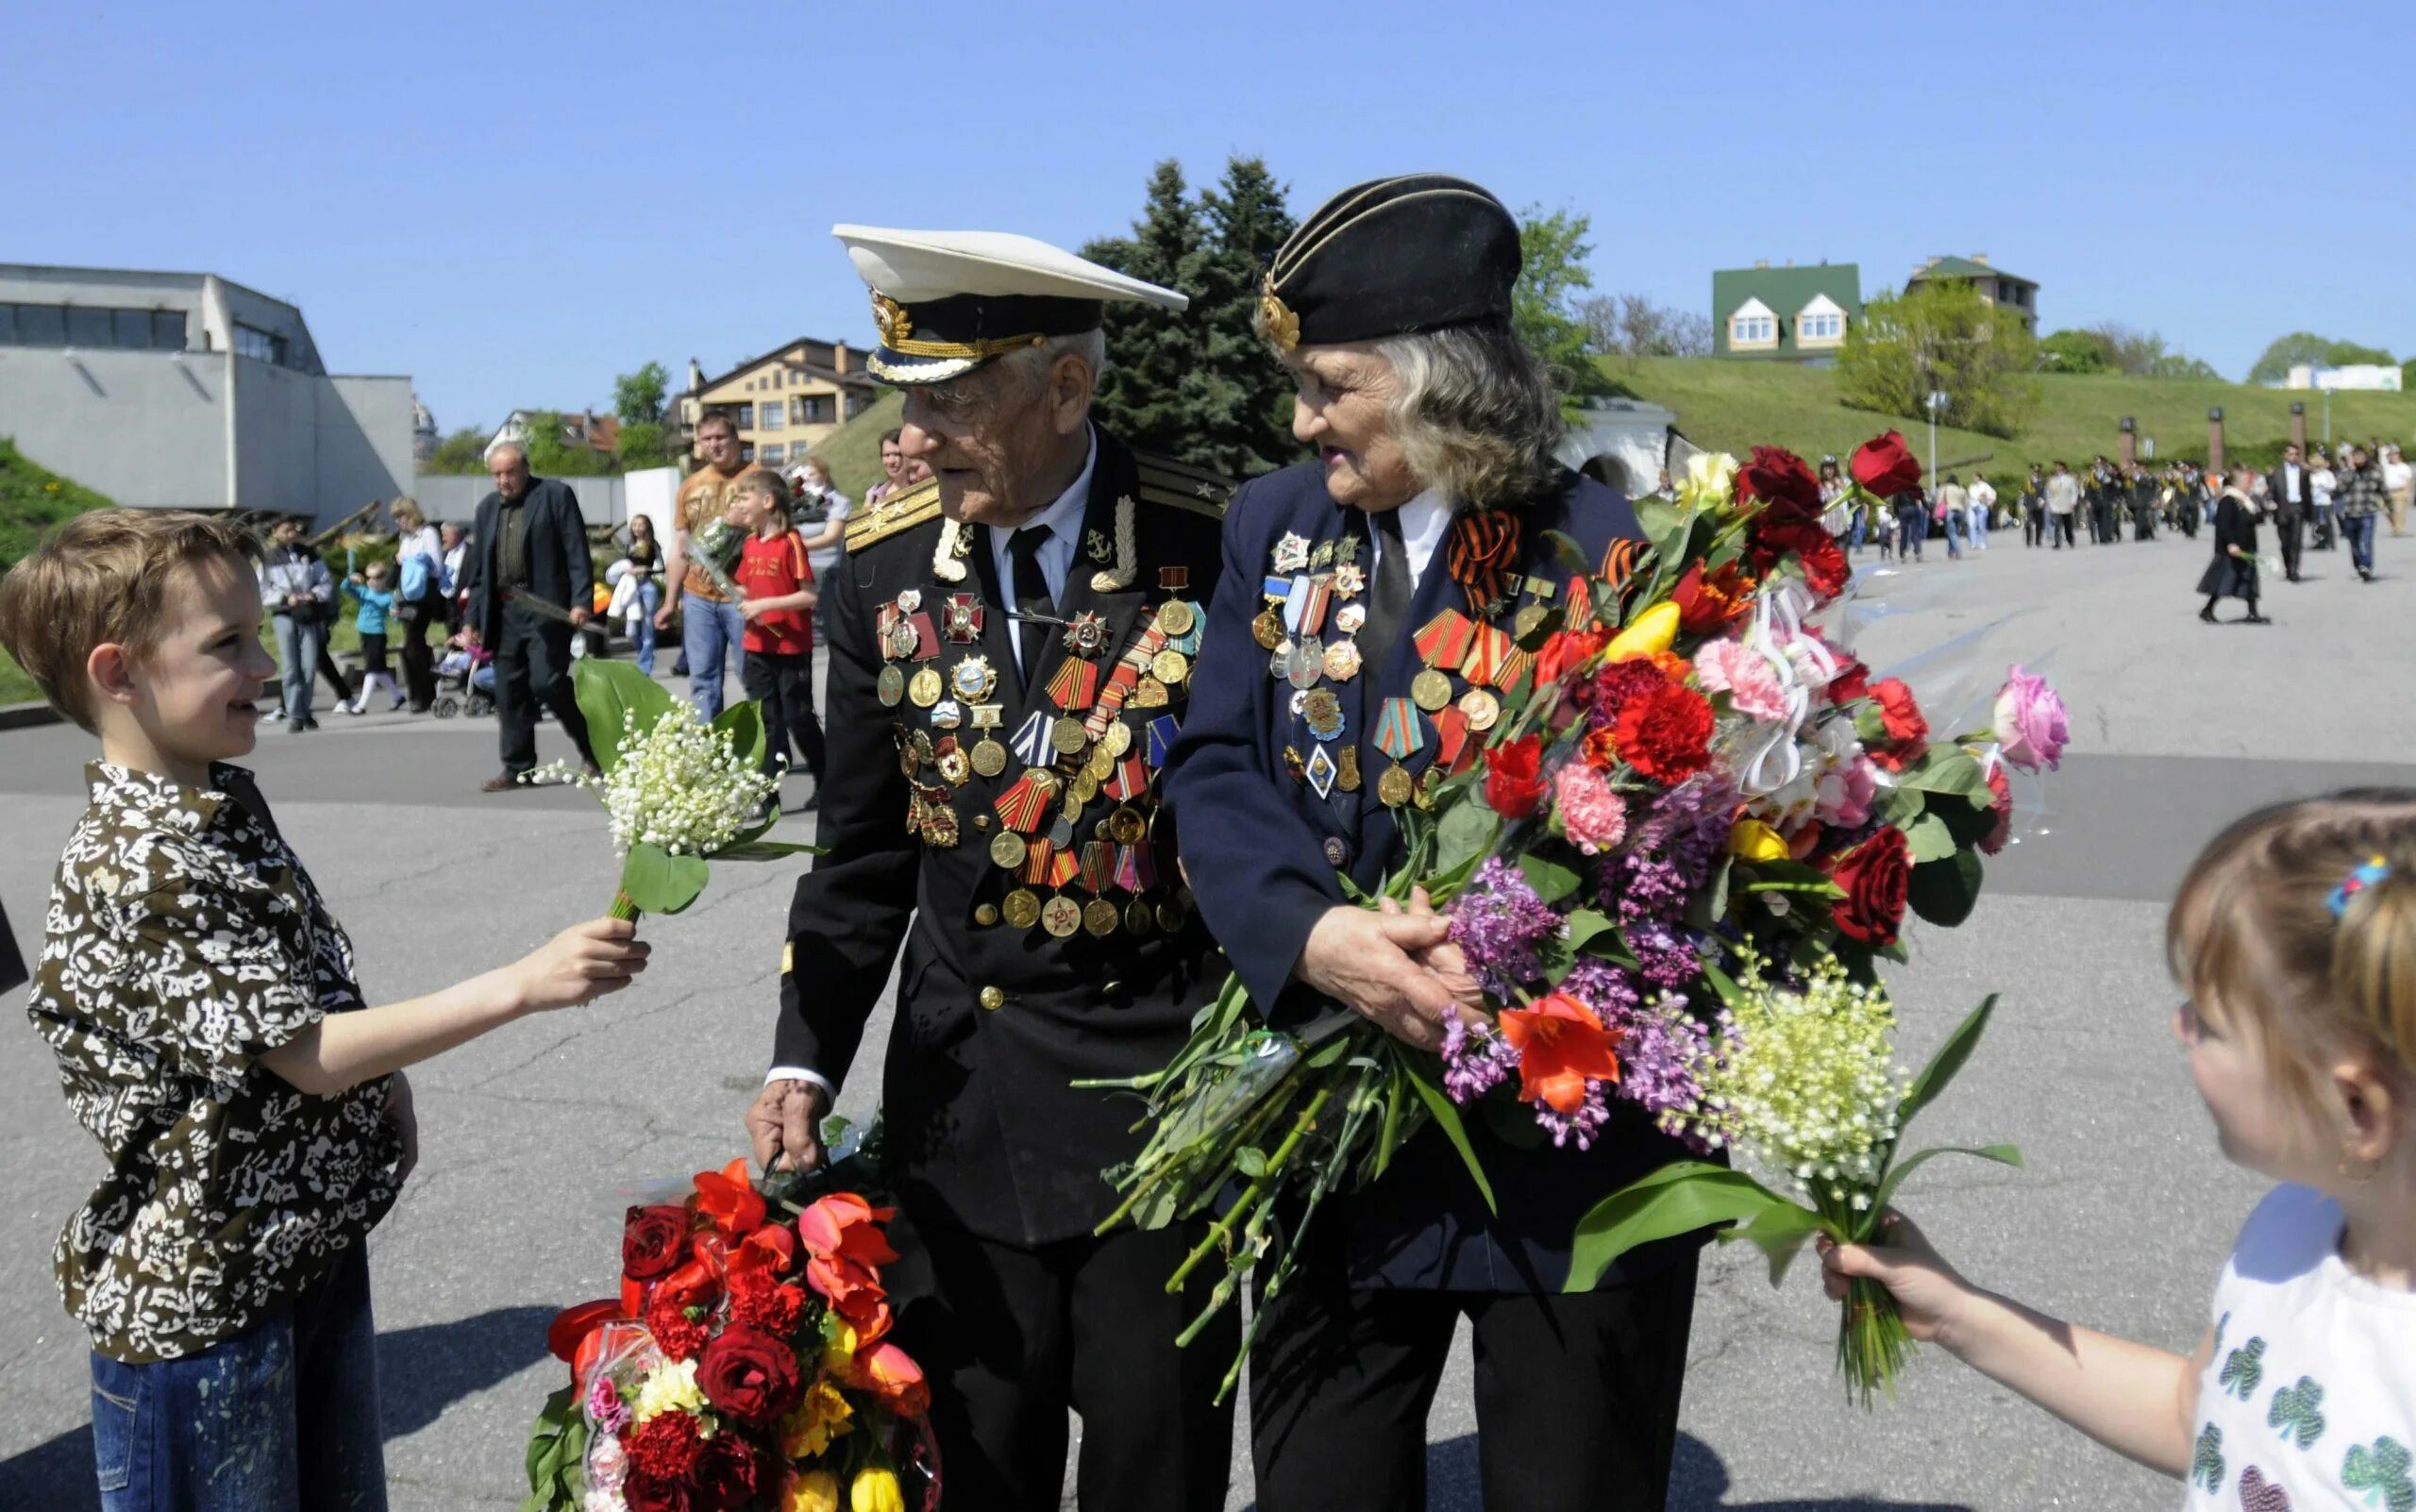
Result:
x=1283 y=326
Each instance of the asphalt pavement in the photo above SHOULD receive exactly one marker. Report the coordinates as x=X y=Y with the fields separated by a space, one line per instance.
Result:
x=535 y=1138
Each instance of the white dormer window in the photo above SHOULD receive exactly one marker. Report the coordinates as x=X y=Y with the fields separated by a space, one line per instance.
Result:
x=1754 y=324
x=1823 y=320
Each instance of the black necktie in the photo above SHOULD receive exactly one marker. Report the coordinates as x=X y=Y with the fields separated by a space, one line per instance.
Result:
x=1032 y=602
x=1388 y=604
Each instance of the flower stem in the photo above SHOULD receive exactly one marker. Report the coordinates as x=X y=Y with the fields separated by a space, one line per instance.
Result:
x=1257 y=1191
x=623 y=908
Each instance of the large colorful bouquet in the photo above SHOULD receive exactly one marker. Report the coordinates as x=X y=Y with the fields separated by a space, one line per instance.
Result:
x=1672 y=869
x=745 y=1365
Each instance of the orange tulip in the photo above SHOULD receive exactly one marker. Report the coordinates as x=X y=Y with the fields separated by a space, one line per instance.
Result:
x=770 y=1250
x=728 y=1198
x=1562 y=1045
x=891 y=1375
x=845 y=1224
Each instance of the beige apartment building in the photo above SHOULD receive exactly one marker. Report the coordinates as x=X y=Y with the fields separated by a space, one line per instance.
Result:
x=785 y=401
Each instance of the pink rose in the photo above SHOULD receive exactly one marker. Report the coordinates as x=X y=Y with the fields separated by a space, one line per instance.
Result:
x=1591 y=815
x=2031 y=725
x=1745 y=676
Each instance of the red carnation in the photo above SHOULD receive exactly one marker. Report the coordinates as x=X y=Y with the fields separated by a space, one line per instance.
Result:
x=1852 y=680
x=652 y=1241
x=1665 y=733
x=1777 y=479
x=1874 y=876
x=676 y=1333
x=1885 y=467
x=665 y=1447
x=760 y=1303
x=748 y=1374
x=2001 y=802
x=1908 y=731
x=1610 y=689
x=1513 y=781
x=1710 y=602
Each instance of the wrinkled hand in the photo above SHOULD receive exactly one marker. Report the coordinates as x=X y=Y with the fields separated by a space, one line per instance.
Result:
x=785 y=1125
x=405 y=1118
x=1926 y=1288
x=1447 y=961
x=1365 y=961
x=582 y=964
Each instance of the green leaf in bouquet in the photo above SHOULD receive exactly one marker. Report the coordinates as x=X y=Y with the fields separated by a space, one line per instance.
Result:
x=659 y=882
x=745 y=724
x=1552 y=881
x=1779 y=1232
x=1657 y=517
x=1572 y=555
x=1930 y=839
x=606 y=692
x=1945 y=769
x=1945 y=891
x=1722 y=983
x=1510 y=1123
x=1901 y=806
x=1715 y=897
x=1680 y=1198
x=2001 y=1154
x=1787 y=877
x=1969 y=823
x=1420 y=1069
x=1585 y=924
x=1464 y=836
x=1946 y=1065
x=1250 y=1160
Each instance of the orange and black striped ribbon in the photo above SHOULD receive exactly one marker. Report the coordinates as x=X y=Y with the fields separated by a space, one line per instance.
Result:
x=1479 y=554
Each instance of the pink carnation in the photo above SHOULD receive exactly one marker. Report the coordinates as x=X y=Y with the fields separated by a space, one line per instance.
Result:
x=2031 y=726
x=1745 y=676
x=1843 y=797
x=1591 y=815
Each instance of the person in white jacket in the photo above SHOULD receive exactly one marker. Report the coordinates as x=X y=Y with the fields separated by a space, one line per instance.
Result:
x=1978 y=510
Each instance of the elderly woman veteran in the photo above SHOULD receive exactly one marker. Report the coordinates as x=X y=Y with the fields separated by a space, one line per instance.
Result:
x=1351 y=659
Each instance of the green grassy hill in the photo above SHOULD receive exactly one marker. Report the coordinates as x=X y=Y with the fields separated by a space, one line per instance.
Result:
x=852 y=452
x=32 y=501
x=1731 y=405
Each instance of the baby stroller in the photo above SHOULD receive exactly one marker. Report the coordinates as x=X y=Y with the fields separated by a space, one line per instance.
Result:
x=465 y=682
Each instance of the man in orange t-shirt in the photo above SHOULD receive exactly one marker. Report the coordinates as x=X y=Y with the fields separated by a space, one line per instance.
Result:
x=777 y=578
x=711 y=627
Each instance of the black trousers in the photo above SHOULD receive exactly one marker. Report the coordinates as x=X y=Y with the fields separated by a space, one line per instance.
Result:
x=1576 y=1396
x=419 y=670
x=327 y=668
x=2034 y=527
x=785 y=686
x=532 y=666
x=1010 y=1338
x=2065 y=530
x=2292 y=530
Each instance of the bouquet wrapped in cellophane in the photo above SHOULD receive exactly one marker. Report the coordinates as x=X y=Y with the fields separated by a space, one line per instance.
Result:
x=1673 y=866
x=745 y=1365
x=679 y=792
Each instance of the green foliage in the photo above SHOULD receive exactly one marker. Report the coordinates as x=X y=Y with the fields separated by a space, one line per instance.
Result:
x=548 y=456
x=33 y=502
x=637 y=398
x=463 y=452
x=1544 y=305
x=1199 y=386
x=2072 y=351
x=2287 y=352
x=852 y=452
x=2407 y=374
x=642 y=445
x=1940 y=337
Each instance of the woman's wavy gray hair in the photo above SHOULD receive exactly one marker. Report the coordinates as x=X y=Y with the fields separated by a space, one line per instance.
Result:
x=1475 y=413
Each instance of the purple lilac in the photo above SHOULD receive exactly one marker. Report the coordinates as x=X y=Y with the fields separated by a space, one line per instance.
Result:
x=1500 y=925
x=1663 y=955
x=1474 y=1061
x=1659 y=1051
x=1650 y=888
x=1608 y=989
x=1580 y=1126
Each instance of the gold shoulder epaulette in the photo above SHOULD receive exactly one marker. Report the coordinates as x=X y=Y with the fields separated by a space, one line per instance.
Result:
x=1183 y=486
x=900 y=511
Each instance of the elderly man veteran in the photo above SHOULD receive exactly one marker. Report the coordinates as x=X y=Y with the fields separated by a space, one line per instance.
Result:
x=1010 y=653
x=1427 y=523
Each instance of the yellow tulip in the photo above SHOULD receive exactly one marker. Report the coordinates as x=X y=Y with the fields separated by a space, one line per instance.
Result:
x=1753 y=840
x=876 y=1490
x=817 y=1490
x=1710 y=482
x=1649 y=634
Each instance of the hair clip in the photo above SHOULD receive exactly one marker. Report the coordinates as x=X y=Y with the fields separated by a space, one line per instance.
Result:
x=2356 y=882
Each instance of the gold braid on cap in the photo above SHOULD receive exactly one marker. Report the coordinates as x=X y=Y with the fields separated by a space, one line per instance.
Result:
x=1283 y=326
x=897 y=333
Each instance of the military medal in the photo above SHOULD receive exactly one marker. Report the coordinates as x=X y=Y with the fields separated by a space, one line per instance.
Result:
x=1322 y=557
x=1321 y=710
x=1170 y=667
x=1431 y=690
x=1321 y=771
x=1291 y=552
x=1162 y=731
x=1027 y=801
x=1032 y=743
x=1008 y=851
x=953 y=764
x=1177 y=617
x=1350 y=618
x=890 y=685
x=1151 y=694
x=989 y=757
x=1126 y=827
x=1100 y=917
x=1118 y=740
x=974 y=679
x=947 y=715
x=1304 y=664
x=1482 y=709
x=1020 y=908
x=1137 y=917
x=1400 y=733
x=1060 y=916
x=960 y=619
x=1349 y=581
x=1068 y=737
x=1345 y=775
x=1342 y=661
x=924 y=688
x=1488 y=650
x=901 y=641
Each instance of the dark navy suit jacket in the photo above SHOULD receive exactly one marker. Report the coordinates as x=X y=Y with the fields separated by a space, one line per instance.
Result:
x=1262 y=851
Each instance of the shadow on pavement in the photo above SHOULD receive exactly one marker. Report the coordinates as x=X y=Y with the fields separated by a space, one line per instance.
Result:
x=420 y=1372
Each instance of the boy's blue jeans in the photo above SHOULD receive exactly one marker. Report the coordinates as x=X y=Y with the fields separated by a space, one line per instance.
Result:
x=282 y=1418
x=709 y=632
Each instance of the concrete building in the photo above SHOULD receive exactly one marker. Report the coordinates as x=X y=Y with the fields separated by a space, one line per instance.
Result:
x=1997 y=287
x=582 y=430
x=189 y=391
x=1787 y=314
x=2377 y=376
x=785 y=401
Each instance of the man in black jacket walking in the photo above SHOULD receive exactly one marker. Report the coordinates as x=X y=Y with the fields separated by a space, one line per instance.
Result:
x=529 y=581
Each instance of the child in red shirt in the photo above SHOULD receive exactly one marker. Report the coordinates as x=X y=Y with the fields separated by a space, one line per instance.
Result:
x=778 y=583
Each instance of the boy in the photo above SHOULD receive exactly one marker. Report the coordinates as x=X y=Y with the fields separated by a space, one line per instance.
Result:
x=201 y=1005
x=777 y=578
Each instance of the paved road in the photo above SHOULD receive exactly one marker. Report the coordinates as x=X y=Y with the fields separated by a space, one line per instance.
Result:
x=536 y=1137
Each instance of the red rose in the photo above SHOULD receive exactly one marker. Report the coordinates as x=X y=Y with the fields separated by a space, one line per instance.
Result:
x=1884 y=467
x=1709 y=603
x=2001 y=800
x=1567 y=650
x=1665 y=733
x=665 y=1447
x=727 y=1476
x=1874 y=876
x=1824 y=565
x=1908 y=731
x=653 y=1493
x=1777 y=479
x=652 y=1241
x=748 y=1374
x=1513 y=781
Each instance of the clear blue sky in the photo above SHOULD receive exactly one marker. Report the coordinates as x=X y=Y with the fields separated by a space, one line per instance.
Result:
x=513 y=202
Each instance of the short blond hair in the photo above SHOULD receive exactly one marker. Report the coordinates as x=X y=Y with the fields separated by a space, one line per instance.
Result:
x=766 y=481
x=103 y=579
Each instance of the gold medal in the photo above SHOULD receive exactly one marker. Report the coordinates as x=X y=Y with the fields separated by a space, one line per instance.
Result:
x=1151 y=694
x=921 y=741
x=1176 y=618
x=1115 y=742
x=1394 y=787
x=1085 y=787
x=1126 y=827
x=1138 y=916
x=955 y=768
x=924 y=688
x=989 y=758
x=1482 y=708
x=1342 y=661
x=1060 y=916
x=1170 y=666
x=1068 y=736
x=1430 y=690
x=1267 y=628
x=1020 y=908
x=1347 y=773
x=1169 y=917
x=1102 y=764
x=1007 y=851
x=1427 y=786
x=987 y=915
x=890 y=685
x=1100 y=917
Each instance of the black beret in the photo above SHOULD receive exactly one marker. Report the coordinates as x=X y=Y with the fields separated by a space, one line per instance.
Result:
x=1390 y=257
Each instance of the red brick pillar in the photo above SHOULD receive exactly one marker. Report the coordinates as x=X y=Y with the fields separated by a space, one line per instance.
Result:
x=2128 y=451
x=2215 y=442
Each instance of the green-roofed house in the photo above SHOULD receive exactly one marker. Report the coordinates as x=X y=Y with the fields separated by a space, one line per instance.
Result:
x=1996 y=286
x=1787 y=314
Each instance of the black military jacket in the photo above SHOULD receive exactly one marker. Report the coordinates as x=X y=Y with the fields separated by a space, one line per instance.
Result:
x=1007 y=831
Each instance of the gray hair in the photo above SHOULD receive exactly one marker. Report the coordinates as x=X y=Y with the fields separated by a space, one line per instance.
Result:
x=1475 y=413
x=507 y=444
x=1016 y=378
x=1031 y=364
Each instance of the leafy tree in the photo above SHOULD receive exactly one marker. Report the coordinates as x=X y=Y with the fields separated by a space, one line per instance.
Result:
x=2307 y=347
x=1246 y=220
x=2180 y=365
x=2407 y=374
x=1940 y=337
x=643 y=447
x=1155 y=385
x=2074 y=351
x=1553 y=252
x=638 y=398
x=1631 y=326
x=548 y=456
x=464 y=451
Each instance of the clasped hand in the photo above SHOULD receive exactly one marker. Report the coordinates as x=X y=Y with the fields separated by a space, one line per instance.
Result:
x=1397 y=968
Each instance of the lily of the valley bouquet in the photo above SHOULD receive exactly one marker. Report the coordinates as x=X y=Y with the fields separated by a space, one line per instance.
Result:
x=744 y=1365
x=678 y=790
x=1672 y=868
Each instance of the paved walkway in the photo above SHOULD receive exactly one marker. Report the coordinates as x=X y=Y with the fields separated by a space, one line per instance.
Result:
x=537 y=1137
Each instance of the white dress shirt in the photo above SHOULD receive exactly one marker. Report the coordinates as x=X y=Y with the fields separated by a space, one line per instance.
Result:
x=1423 y=522
x=1063 y=520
